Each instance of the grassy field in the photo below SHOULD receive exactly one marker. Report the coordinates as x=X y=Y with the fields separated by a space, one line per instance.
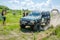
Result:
x=12 y=23
x=11 y=31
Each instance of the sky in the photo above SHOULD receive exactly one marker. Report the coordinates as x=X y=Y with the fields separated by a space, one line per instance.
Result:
x=31 y=4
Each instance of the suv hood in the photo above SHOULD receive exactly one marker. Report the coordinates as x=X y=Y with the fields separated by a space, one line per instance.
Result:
x=31 y=17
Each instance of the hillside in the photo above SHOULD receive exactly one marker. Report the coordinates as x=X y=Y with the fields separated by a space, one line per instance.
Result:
x=3 y=7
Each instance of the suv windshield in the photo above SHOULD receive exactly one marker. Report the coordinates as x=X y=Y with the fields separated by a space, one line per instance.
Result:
x=34 y=14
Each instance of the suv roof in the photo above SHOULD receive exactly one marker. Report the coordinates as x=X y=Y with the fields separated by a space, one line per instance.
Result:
x=45 y=13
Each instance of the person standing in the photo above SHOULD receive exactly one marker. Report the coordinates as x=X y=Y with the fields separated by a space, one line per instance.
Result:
x=24 y=14
x=4 y=16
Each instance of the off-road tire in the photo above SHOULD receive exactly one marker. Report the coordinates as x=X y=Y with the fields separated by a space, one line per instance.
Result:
x=36 y=27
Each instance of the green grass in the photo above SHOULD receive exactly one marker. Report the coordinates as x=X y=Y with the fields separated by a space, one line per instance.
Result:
x=12 y=23
x=57 y=31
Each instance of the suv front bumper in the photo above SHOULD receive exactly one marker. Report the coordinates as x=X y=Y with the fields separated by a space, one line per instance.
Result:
x=27 y=24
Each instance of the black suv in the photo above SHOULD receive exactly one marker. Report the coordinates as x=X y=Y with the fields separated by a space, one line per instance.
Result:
x=35 y=20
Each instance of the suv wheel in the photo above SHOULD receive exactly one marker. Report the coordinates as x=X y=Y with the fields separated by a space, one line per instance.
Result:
x=47 y=22
x=35 y=27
